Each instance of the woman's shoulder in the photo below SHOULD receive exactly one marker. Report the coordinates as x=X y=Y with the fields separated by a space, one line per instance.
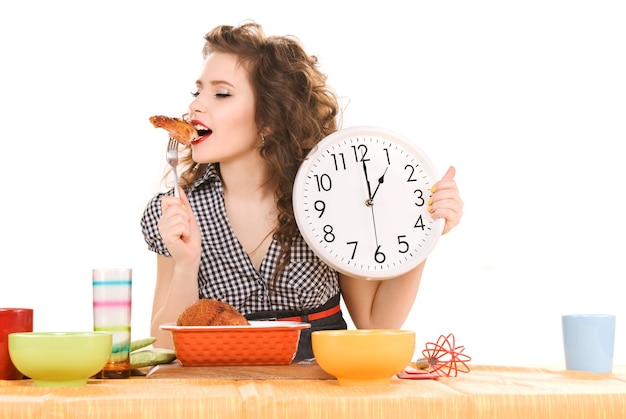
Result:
x=152 y=211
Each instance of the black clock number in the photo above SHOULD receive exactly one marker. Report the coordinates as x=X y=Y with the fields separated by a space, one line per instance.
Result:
x=339 y=160
x=329 y=236
x=360 y=151
x=411 y=171
x=355 y=244
x=404 y=245
x=419 y=199
x=419 y=202
x=320 y=206
x=324 y=182
x=419 y=223
x=379 y=256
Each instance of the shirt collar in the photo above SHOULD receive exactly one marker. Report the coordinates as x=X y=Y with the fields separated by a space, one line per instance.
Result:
x=209 y=177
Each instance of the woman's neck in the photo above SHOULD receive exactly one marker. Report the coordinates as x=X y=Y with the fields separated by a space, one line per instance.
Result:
x=247 y=181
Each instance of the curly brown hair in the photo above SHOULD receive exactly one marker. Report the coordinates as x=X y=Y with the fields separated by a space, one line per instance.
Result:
x=292 y=99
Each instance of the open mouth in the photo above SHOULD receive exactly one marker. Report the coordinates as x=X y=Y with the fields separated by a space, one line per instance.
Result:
x=203 y=132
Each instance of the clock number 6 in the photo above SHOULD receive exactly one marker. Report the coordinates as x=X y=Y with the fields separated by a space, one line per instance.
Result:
x=379 y=256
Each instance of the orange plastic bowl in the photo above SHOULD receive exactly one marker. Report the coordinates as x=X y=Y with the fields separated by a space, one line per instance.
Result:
x=363 y=357
x=260 y=343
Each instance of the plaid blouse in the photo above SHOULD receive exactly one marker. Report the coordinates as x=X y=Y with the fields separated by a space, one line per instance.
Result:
x=226 y=272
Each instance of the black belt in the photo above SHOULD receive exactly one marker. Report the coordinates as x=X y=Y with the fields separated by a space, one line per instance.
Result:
x=329 y=308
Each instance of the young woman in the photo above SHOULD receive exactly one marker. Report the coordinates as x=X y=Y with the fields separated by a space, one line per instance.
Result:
x=260 y=106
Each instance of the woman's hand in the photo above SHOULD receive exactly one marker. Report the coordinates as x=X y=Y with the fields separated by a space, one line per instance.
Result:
x=177 y=276
x=446 y=201
x=179 y=229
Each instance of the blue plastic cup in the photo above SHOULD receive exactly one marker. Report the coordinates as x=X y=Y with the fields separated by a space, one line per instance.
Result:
x=588 y=341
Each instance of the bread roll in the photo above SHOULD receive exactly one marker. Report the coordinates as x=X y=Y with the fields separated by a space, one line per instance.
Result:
x=209 y=312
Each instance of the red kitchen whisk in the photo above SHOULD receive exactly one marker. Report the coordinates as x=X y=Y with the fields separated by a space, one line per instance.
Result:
x=444 y=358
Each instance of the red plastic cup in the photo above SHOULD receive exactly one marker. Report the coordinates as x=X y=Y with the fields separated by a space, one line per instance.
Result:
x=12 y=320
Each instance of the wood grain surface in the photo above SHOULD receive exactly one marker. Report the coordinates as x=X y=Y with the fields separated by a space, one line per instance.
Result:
x=294 y=371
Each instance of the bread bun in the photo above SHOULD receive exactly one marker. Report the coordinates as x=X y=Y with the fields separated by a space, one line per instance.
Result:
x=209 y=312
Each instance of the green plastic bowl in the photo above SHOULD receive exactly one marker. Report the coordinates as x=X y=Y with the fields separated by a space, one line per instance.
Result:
x=54 y=359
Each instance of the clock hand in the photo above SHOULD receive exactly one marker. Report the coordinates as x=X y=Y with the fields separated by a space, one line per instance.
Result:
x=369 y=188
x=381 y=179
x=374 y=223
x=369 y=201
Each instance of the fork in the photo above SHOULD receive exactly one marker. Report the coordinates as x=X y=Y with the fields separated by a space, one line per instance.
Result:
x=171 y=156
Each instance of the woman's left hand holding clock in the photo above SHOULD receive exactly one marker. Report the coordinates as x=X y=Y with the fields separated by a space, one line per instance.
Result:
x=446 y=202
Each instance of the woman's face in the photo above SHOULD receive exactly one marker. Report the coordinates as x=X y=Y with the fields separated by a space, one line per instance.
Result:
x=224 y=107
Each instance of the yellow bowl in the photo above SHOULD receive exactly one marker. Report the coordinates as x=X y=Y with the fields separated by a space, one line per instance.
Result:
x=59 y=358
x=363 y=357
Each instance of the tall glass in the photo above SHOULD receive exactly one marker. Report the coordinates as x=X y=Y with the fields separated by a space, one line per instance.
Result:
x=112 y=296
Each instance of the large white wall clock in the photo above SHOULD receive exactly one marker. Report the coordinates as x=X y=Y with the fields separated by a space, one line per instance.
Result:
x=361 y=202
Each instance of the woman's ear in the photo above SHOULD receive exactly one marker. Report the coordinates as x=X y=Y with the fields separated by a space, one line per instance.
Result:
x=266 y=131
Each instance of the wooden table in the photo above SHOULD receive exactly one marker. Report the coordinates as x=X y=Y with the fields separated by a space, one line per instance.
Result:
x=485 y=392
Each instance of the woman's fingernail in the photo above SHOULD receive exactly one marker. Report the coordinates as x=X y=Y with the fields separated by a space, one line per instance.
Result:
x=433 y=189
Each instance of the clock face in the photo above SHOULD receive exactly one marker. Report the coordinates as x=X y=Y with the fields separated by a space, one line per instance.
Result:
x=361 y=203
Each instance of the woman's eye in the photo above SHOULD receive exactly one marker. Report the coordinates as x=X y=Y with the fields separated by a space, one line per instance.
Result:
x=219 y=95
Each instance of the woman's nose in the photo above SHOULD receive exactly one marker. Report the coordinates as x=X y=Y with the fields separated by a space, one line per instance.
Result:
x=196 y=106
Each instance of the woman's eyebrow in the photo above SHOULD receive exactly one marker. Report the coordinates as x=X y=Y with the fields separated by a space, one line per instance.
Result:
x=214 y=83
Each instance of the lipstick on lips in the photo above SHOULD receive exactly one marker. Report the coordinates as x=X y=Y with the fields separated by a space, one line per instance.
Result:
x=203 y=132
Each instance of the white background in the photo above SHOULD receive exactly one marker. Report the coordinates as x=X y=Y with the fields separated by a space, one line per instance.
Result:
x=527 y=99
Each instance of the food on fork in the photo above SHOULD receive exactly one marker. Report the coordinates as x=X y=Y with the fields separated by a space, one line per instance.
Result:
x=179 y=129
x=209 y=312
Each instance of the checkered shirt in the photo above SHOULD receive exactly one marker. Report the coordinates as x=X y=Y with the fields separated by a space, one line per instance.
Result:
x=227 y=273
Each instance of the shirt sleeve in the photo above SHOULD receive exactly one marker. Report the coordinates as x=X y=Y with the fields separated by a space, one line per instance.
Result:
x=149 y=226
